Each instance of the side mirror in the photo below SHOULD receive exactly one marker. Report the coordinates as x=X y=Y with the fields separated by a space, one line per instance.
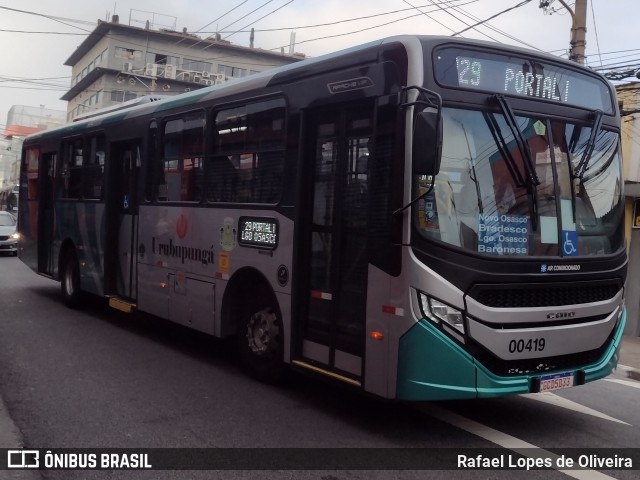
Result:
x=427 y=142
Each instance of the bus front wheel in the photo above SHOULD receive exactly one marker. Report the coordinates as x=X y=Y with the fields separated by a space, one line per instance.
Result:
x=260 y=340
x=70 y=280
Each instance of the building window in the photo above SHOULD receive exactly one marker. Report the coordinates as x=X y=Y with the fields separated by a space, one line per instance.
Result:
x=235 y=72
x=120 y=96
x=197 y=65
x=161 y=59
x=128 y=53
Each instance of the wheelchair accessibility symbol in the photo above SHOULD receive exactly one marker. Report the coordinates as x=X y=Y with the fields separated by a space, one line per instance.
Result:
x=569 y=242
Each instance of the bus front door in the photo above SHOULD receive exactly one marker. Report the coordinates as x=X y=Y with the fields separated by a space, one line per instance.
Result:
x=332 y=336
x=122 y=218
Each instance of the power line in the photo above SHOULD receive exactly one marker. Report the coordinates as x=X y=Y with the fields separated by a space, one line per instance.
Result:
x=497 y=30
x=428 y=16
x=462 y=21
x=264 y=16
x=337 y=22
x=44 y=33
x=493 y=16
x=221 y=16
x=355 y=31
x=595 y=28
x=245 y=16
x=49 y=17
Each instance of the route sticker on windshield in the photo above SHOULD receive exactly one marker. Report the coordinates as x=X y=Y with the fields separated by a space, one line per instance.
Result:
x=503 y=234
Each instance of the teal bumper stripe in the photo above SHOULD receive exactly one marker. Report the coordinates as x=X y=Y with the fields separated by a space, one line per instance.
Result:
x=431 y=366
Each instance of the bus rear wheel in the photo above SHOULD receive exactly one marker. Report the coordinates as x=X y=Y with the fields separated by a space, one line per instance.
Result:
x=70 y=280
x=260 y=341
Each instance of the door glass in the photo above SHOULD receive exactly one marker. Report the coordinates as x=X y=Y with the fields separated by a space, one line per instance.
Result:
x=338 y=260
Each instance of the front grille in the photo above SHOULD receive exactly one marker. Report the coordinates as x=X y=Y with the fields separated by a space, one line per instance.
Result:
x=544 y=295
x=3 y=238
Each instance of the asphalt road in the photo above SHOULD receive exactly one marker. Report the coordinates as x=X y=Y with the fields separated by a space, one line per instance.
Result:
x=97 y=378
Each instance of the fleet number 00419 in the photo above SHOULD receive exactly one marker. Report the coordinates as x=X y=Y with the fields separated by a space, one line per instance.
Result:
x=529 y=345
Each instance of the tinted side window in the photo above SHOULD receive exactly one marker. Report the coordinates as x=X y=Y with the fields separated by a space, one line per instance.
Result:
x=70 y=175
x=182 y=159
x=81 y=174
x=249 y=154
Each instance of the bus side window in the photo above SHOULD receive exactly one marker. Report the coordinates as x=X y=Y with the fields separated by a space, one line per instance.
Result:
x=252 y=137
x=221 y=179
x=93 y=170
x=182 y=150
x=197 y=180
x=70 y=175
x=269 y=173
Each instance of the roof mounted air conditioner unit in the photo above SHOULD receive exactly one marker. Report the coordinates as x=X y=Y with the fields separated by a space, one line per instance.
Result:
x=206 y=74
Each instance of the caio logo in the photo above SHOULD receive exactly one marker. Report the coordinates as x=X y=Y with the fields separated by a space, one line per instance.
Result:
x=181 y=226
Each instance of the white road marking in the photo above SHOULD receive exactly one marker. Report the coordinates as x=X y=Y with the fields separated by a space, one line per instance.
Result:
x=548 y=397
x=628 y=383
x=505 y=440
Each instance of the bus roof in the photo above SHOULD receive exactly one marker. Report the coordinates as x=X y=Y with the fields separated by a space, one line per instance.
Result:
x=158 y=103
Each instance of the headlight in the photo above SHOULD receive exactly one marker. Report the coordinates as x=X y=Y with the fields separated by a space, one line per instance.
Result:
x=15 y=236
x=442 y=314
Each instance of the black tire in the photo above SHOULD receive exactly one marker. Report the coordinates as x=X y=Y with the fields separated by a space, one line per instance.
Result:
x=260 y=339
x=70 y=280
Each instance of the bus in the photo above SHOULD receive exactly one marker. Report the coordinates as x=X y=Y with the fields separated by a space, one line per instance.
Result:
x=418 y=218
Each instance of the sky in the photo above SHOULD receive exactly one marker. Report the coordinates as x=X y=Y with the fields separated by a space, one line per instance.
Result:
x=37 y=36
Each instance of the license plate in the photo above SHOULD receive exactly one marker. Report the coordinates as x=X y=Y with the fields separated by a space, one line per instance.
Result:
x=557 y=381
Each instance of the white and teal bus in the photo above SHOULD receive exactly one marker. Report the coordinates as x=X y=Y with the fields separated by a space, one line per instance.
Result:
x=419 y=217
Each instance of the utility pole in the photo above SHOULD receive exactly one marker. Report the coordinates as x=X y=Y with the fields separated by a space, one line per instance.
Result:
x=579 y=32
x=578 y=28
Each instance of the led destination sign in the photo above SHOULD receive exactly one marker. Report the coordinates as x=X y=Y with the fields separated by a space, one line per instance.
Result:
x=519 y=76
x=258 y=232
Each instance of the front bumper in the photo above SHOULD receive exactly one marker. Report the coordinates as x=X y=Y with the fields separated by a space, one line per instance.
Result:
x=432 y=366
x=9 y=246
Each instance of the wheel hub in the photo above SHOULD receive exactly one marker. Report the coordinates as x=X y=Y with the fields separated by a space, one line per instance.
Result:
x=262 y=332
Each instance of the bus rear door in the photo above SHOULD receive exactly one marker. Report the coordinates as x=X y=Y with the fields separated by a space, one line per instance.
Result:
x=122 y=220
x=46 y=213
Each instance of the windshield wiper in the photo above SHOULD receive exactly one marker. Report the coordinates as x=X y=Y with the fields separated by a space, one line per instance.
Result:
x=530 y=178
x=523 y=147
x=583 y=164
x=505 y=152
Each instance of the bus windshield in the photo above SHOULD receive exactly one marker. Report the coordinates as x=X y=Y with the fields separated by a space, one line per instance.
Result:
x=482 y=200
